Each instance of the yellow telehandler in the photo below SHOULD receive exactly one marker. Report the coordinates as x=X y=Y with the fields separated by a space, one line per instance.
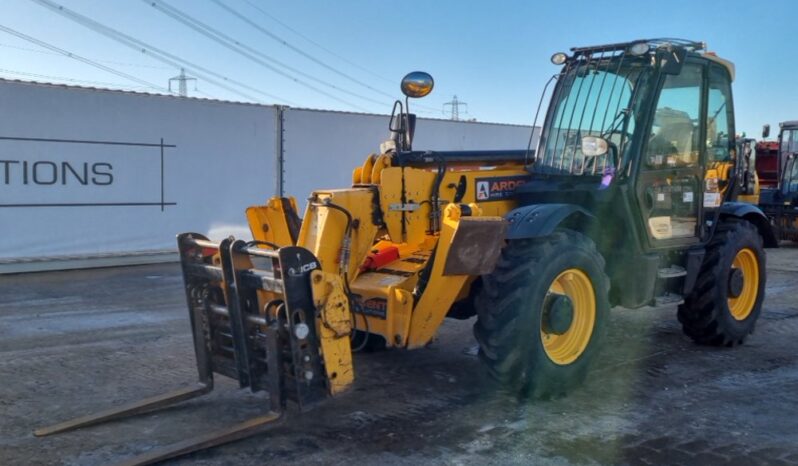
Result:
x=620 y=203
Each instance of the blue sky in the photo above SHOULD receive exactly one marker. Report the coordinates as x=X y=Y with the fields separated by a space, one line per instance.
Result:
x=494 y=55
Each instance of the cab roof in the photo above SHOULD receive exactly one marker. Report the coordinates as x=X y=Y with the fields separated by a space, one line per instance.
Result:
x=696 y=47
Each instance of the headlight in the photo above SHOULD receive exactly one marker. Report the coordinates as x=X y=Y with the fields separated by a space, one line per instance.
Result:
x=639 y=48
x=559 y=58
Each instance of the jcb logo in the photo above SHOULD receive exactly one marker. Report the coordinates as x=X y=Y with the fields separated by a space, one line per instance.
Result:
x=304 y=268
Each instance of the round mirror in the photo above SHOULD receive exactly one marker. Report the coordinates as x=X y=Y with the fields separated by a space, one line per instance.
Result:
x=417 y=84
x=594 y=146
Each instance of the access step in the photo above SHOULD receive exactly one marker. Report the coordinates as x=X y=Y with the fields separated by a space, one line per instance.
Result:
x=674 y=271
x=669 y=298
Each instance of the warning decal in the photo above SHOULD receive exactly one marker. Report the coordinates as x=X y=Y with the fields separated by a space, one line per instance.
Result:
x=498 y=188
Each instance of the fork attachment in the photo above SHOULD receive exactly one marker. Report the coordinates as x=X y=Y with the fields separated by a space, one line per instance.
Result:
x=252 y=318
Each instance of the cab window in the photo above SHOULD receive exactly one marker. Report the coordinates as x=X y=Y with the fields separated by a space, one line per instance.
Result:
x=675 y=131
x=719 y=116
x=789 y=141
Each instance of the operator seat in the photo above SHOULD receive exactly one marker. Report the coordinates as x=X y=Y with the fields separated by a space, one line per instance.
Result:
x=675 y=136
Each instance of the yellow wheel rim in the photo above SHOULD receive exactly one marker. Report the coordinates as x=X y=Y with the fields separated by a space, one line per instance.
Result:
x=741 y=306
x=565 y=348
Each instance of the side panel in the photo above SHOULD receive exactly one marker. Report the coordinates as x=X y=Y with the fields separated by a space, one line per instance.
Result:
x=277 y=222
x=441 y=290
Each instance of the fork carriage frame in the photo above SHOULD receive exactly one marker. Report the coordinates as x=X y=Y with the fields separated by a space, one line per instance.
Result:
x=252 y=324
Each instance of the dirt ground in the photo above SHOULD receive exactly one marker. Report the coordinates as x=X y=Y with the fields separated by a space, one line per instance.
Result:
x=75 y=342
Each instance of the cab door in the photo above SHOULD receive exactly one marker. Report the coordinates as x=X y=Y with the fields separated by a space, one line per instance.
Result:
x=670 y=180
x=788 y=155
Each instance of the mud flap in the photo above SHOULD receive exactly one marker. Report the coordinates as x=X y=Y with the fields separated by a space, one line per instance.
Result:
x=476 y=246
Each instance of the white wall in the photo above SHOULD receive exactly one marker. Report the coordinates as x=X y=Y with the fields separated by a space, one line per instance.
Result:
x=219 y=158
x=222 y=161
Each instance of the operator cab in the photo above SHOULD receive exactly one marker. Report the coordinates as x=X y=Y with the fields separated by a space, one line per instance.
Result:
x=631 y=131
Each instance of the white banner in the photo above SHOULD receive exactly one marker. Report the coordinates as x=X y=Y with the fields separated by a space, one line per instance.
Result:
x=87 y=173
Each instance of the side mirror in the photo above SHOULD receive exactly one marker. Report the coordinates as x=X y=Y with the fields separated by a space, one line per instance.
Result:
x=594 y=146
x=765 y=131
x=417 y=84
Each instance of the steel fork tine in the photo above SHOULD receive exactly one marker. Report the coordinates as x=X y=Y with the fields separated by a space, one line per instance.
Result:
x=128 y=409
x=213 y=439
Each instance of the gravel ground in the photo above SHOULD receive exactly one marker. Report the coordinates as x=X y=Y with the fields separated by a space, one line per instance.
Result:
x=78 y=341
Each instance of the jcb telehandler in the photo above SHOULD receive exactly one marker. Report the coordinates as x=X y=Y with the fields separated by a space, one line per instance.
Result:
x=622 y=203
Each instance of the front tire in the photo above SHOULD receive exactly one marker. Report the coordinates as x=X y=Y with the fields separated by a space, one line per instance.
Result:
x=541 y=313
x=725 y=304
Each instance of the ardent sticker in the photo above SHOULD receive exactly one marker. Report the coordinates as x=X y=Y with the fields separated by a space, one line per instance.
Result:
x=377 y=307
x=498 y=188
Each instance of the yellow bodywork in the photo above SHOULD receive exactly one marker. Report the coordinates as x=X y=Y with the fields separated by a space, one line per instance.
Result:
x=406 y=300
x=269 y=223
x=752 y=198
x=718 y=174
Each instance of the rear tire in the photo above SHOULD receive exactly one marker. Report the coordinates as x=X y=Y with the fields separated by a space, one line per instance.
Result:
x=524 y=342
x=711 y=314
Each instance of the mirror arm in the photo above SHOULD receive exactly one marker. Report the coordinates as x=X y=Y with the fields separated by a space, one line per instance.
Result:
x=407 y=142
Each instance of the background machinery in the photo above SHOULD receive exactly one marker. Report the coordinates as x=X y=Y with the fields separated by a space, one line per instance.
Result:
x=767 y=158
x=625 y=202
x=779 y=197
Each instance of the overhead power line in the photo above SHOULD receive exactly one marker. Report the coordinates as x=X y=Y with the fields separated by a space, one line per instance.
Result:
x=422 y=108
x=320 y=46
x=80 y=58
x=71 y=80
x=114 y=62
x=158 y=54
x=257 y=56
x=296 y=49
x=244 y=18
x=254 y=54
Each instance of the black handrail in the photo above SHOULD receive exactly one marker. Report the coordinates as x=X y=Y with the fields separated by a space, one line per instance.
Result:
x=435 y=157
